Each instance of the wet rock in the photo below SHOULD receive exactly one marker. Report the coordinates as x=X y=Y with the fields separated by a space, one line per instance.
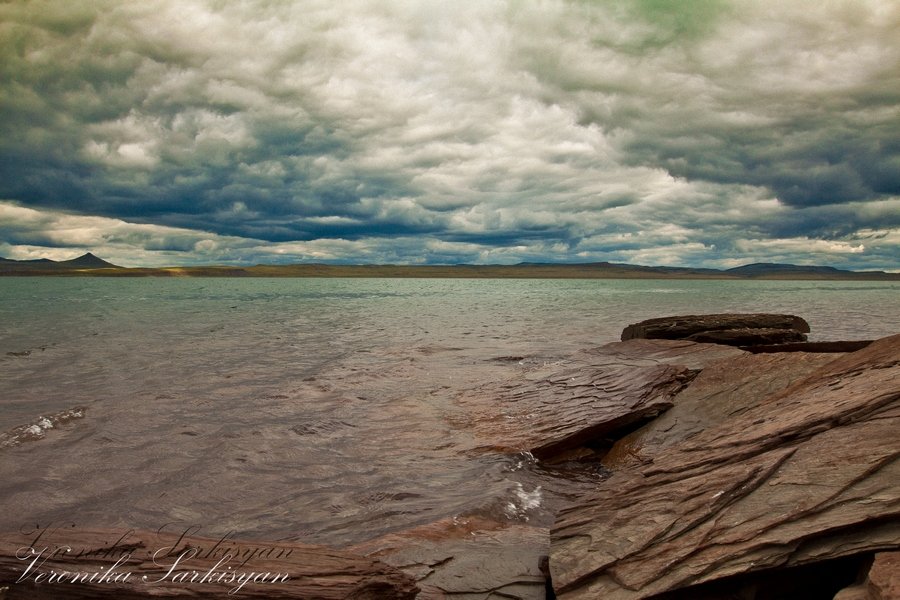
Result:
x=638 y=352
x=725 y=388
x=468 y=558
x=807 y=475
x=700 y=328
x=557 y=408
x=181 y=562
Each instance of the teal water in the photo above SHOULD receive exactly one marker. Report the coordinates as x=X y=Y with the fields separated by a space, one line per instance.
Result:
x=312 y=409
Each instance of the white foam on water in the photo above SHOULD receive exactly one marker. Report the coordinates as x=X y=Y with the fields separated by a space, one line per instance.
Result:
x=524 y=459
x=37 y=430
x=523 y=502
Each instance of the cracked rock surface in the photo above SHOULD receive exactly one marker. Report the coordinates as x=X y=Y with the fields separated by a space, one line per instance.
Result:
x=804 y=475
x=468 y=558
x=561 y=407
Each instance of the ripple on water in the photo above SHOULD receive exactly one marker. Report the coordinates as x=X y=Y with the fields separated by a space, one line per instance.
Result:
x=318 y=410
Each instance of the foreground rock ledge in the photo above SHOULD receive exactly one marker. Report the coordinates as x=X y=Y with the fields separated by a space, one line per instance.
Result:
x=469 y=558
x=808 y=475
x=315 y=572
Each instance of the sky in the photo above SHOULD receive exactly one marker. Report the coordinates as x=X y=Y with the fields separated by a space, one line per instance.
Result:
x=705 y=133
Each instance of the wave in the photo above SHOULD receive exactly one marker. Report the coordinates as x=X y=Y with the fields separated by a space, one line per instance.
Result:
x=37 y=429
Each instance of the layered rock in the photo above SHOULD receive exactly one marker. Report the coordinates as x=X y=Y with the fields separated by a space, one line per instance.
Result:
x=469 y=558
x=724 y=388
x=558 y=408
x=549 y=409
x=162 y=565
x=830 y=347
x=805 y=475
x=730 y=329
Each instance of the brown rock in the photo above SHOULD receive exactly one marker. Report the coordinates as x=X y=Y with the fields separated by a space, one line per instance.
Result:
x=685 y=326
x=562 y=407
x=468 y=558
x=725 y=388
x=747 y=336
x=840 y=346
x=808 y=475
x=856 y=592
x=312 y=571
x=883 y=581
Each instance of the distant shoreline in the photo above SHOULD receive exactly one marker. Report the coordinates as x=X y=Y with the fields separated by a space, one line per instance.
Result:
x=530 y=271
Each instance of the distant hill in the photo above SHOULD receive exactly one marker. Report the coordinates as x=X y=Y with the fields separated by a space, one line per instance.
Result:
x=773 y=268
x=87 y=261
x=89 y=264
x=779 y=270
x=47 y=266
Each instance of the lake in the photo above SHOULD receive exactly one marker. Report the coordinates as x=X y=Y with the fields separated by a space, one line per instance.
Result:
x=319 y=410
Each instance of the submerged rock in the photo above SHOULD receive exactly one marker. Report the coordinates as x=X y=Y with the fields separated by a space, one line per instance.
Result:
x=729 y=329
x=804 y=476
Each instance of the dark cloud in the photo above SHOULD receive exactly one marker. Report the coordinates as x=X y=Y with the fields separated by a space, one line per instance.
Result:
x=802 y=163
x=700 y=132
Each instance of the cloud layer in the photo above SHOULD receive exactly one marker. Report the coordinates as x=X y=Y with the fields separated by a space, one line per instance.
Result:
x=701 y=132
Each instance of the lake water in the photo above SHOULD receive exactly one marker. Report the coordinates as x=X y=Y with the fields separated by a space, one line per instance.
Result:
x=319 y=410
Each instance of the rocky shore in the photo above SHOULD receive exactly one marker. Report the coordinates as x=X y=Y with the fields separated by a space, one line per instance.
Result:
x=774 y=475
x=732 y=459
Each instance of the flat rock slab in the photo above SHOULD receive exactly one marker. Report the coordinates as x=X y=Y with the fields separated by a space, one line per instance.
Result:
x=810 y=474
x=700 y=327
x=642 y=353
x=724 y=389
x=558 y=408
x=131 y=564
x=468 y=558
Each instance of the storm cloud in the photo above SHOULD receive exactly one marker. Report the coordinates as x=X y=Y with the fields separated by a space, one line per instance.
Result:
x=700 y=132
